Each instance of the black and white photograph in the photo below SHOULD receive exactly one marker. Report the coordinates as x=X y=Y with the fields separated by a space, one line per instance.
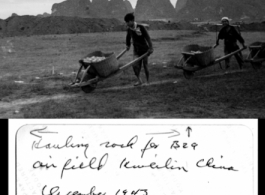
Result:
x=132 y=59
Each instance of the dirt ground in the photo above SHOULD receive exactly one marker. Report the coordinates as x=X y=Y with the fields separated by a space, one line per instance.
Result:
x=36 y=73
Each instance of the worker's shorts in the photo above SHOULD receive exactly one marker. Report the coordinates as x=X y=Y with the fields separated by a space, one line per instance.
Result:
x=139 y=53
x=230 y=47
x=138 y=65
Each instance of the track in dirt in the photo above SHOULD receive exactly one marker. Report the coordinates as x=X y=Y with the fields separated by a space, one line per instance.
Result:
x=15 y=105
x=18 y=103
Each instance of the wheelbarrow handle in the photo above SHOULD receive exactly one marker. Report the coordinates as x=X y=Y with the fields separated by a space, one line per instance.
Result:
x=121 y=54
x=214 y=46
x=134 y=61
x=228 y=55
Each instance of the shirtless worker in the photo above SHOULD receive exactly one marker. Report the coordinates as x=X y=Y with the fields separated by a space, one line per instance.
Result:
x=230 y=36
x=141 y=42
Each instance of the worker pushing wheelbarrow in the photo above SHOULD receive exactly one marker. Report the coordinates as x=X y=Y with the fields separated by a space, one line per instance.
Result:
x=98 y=66
x=197 y=57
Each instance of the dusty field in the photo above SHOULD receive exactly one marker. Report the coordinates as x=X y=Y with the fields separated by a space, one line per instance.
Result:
x=35 y=73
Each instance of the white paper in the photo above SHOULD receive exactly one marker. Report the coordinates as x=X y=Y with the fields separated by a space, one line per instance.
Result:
x=135 y=159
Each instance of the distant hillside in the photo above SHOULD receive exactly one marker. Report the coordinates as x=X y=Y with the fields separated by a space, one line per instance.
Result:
x=96 y=8
x=210 y=10
x=71 y=8
x=2 y=26
x=163 y=10
x=154 y=9
x=189 y=10
x=34 y=25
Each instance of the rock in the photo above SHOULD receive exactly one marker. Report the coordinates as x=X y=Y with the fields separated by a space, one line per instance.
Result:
x=95 y=9
x=110 y=9
x=154 y=9
x=2 y=26
x=79 y=8
x=128 y=6
x=44 y=15
x=180 y=4
x=208 y=10
x=16 y=111
x=99 y=8
x=118 y=8
x=20 y=25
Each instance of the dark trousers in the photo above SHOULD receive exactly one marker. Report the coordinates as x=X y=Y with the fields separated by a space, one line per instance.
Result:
x=229 y=48
x=138 y=65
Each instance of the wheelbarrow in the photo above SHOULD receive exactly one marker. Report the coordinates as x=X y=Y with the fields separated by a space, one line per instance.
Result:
x=195 y=58
x=90 y=73
x=256 y=54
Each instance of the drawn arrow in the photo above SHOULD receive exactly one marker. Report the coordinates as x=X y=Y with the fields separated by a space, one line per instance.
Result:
x=173 y=131
x=189 y=130
x=35 y=132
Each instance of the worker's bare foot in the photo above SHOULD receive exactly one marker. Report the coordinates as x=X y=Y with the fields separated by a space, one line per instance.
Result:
x=138 y=83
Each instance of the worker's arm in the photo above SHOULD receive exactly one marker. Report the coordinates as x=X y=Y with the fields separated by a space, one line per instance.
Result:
x=239 y=38
x=128 y=40
x=221 y=35
x=218 y=38
x=147 y=38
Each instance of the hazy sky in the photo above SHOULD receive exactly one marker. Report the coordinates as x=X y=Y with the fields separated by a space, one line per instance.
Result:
x=34 y=7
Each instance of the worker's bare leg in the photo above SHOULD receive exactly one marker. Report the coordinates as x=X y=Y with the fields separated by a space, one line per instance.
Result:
x=227 y=60
x=239 y=59
x=145 y=64
x=137 y=69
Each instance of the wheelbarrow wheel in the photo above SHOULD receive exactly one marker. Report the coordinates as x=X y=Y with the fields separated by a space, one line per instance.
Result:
x=188 y=74
x=256 y=65
x=89 y=88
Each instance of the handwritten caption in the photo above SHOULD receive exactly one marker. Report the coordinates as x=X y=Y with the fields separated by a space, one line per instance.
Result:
x=131 y=143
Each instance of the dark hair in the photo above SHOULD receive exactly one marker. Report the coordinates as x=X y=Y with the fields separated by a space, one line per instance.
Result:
x=129 y=17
